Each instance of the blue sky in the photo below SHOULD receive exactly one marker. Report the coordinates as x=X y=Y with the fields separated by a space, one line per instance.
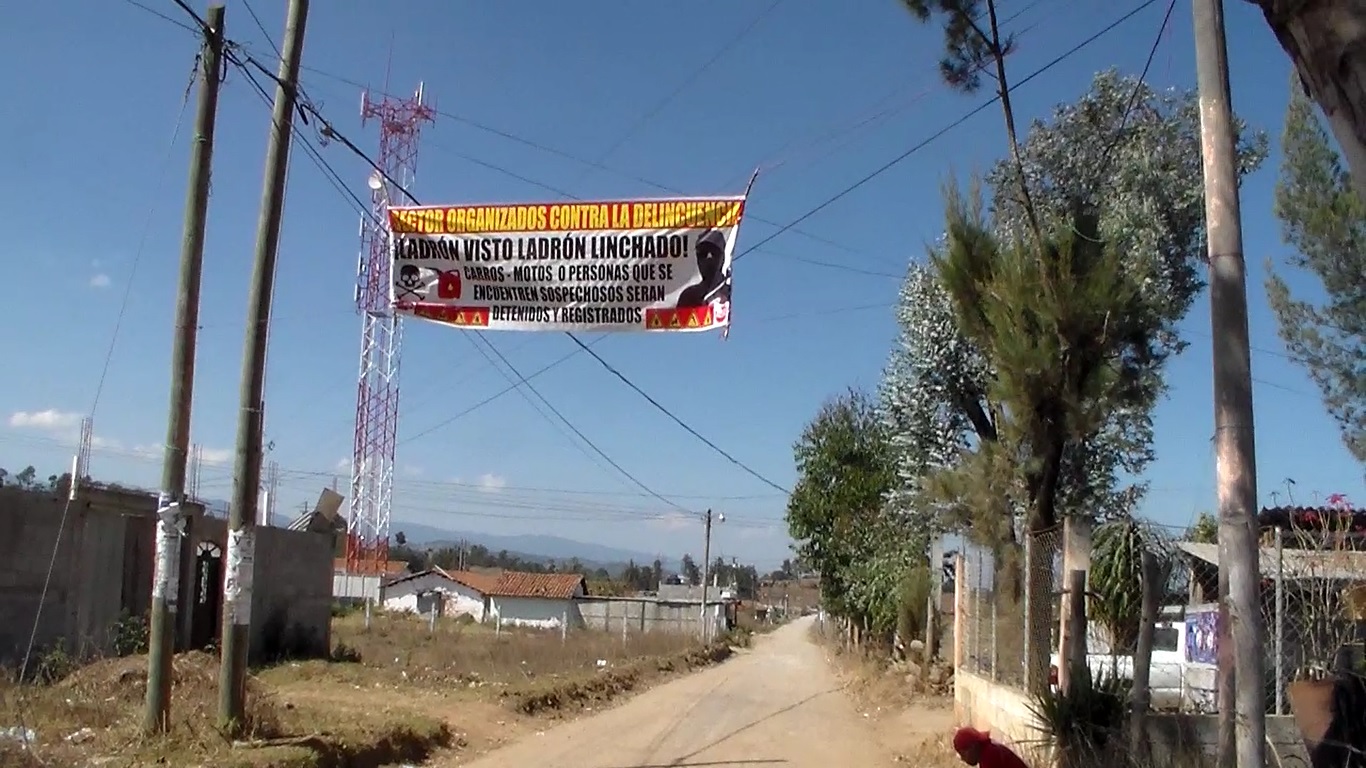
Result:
x=581 y=79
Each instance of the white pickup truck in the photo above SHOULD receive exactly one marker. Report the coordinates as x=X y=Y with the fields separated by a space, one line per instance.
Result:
x=1176 y=679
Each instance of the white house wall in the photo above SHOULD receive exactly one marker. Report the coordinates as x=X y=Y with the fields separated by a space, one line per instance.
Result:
x=348 y=586
x=413 y=595
x=537 y=612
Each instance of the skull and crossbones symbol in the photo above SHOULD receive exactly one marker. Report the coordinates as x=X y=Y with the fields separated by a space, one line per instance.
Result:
x=410 y=284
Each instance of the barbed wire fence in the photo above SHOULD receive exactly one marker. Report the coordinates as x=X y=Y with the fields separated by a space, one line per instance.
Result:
x=1000 y=621
x=1313 y=625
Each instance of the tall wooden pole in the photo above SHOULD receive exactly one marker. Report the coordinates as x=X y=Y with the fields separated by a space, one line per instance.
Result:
x=706 y=565
x=170 y=522
x=1241 y=667
x=246 y=480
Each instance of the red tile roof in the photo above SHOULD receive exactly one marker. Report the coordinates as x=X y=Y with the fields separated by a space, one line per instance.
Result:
x=390 y=568
x=558 y=586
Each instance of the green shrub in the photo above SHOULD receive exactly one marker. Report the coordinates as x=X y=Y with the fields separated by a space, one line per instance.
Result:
x=1084 y=724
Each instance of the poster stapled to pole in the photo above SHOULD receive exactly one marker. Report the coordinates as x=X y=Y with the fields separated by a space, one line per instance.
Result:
x=634 y=265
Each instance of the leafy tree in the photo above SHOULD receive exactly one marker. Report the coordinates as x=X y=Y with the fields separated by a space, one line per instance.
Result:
x=691 y=573
x=836 y=511
x=1134 y=155
x=1064 y=328
x=1205 y=530
x=401 y=539
x=656 y=574
x=1323 y=219
x=1323 y=41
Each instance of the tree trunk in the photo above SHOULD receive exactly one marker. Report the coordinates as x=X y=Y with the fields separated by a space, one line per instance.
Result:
x=1326 y=42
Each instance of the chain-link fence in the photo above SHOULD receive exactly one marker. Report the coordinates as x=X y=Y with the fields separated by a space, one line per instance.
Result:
x=1312 y=602
x=1310 y=578
x=1005 y=621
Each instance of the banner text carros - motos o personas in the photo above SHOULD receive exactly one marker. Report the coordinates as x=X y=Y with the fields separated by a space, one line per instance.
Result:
x=644 y=265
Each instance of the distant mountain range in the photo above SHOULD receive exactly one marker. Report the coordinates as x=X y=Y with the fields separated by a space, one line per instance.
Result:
x=534 y=547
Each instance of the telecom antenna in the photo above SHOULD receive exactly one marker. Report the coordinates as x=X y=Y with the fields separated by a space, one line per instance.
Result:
x=381 y=338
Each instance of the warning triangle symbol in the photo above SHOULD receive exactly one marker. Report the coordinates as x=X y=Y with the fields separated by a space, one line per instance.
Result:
x=674 y=322
x=692 y=319
x=459 y=318
x=706 y=317
x=655 y=322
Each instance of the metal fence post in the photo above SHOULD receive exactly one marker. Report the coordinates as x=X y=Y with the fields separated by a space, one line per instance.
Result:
x=977 y=612
x=1029 y=681
x=1280 y=622
x=995 y=658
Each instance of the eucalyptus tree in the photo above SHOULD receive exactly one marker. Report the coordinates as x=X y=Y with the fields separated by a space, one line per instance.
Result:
x=1322 y=217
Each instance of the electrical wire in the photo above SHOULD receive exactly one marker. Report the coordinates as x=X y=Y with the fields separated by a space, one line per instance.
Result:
x=526 y=386
x=521 y=381
x=99 y=386
x=1138 y=89
x=331 y=132
x=890 y=164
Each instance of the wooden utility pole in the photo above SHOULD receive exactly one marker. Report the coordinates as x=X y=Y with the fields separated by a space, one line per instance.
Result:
x=246 y=480
x=1141 y=694
x=706 y=564
x=170 y=522
x=1241 y=667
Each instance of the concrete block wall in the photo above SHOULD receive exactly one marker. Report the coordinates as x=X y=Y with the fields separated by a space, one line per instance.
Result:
x=291 y=606
x=103 y=570
x=1005 y=712
x=97 y=575
x=643 y=615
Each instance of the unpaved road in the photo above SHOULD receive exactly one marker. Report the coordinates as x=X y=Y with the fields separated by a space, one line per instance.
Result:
x=778 y=704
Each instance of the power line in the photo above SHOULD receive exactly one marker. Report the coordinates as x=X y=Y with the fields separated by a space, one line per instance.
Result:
x=99 y=386
x=251 y=12
x=943 y=131
x=329 y=131
x=749 y=470
x=527 y=386
x=453 y=488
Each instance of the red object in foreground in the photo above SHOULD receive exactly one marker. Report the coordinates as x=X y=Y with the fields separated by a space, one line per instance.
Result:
x=976 y=748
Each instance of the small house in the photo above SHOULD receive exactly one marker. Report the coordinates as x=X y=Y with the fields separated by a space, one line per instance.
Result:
x=449 y=593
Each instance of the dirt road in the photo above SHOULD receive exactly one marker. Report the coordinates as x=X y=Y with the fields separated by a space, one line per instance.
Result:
x=778 y=704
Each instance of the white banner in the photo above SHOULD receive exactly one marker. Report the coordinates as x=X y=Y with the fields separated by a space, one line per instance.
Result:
x=650 y=265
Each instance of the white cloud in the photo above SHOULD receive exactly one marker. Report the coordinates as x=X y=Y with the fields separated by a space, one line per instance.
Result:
x=100 y=280
x=411 y=471
x=676 y=521
x=216 y=455
x=51 y=420
x=342 y=465
x=491 y=483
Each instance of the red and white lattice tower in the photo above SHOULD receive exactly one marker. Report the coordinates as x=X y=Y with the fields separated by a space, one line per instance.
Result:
x=381 y=341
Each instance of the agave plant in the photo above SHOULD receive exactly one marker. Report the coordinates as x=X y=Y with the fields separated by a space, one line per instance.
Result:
x=1117 y=578
x=1083 y=723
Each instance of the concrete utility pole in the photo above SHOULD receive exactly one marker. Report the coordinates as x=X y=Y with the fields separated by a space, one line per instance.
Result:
x=246 y=480
x=170 y=519
x=1241 y=666
x=706 y=564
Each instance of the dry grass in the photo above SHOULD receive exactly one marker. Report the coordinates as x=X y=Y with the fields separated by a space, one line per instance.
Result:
x=96 y=713
x=395 y=692
x=401 y=649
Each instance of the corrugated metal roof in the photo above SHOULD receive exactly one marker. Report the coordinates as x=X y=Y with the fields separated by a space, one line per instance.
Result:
x=1337 y=565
